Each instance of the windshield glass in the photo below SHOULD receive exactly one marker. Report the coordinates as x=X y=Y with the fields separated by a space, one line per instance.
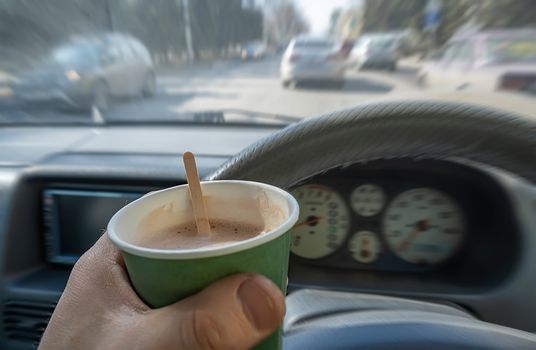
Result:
x=314 y=44
x=382 y=43
x=257 y=61
x=70 y=55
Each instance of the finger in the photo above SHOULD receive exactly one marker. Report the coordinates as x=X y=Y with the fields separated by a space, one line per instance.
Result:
x=236 y=312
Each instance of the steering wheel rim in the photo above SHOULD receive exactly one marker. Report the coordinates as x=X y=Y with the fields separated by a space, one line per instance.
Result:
x=384 y=130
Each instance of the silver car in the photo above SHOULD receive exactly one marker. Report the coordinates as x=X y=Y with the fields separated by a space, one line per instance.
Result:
x=375 y=51
x=88 y=72
x=312 y=59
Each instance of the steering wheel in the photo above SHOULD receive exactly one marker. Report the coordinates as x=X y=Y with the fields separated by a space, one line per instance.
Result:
x=387 y=130
x=436 y=130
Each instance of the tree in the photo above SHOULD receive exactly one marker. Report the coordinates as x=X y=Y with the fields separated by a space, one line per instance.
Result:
x=506 y=13
x=34 y=27
x=157 y=23
x=218 y=25
x=41 y=25
x=284 y=21
x=382 y=15
x=454 y=15
x=385 y=15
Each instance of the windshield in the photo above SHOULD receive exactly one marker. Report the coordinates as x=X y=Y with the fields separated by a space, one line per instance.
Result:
x=382 y=43
x=257 y=61
x=73 y=55
x=314 y=44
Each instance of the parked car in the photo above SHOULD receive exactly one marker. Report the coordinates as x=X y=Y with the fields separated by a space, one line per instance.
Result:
x=89 y=72
x=375 y=51
x=253 y=51
x=312 y=59
x=485 y=61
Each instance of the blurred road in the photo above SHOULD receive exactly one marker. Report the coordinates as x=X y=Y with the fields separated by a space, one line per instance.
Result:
x=251 y=86
x=256 y=86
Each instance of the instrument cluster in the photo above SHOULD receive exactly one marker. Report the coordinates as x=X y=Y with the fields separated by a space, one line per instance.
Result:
x=421 y=226
x=404 y=222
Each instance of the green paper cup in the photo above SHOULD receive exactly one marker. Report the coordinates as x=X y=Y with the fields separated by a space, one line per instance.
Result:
x=164 y=276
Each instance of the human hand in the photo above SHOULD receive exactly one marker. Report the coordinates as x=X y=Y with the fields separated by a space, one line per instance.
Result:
x=100 y=310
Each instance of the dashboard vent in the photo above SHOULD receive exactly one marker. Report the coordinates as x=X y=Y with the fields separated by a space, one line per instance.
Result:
x=26 y=320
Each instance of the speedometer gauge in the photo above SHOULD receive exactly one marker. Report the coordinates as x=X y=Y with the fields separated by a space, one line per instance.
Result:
x=323 y=223
x=423 y=226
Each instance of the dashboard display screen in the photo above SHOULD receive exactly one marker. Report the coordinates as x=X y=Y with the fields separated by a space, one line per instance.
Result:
x=74 y=220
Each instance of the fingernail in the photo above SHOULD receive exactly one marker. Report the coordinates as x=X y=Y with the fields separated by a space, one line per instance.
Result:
x=262 y=302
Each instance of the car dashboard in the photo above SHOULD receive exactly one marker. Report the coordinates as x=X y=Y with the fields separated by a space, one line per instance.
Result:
x=443 y=230
x=437 y=225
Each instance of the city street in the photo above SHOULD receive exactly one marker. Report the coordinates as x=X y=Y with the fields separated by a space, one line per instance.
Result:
x=251 y=85
x=255 y=86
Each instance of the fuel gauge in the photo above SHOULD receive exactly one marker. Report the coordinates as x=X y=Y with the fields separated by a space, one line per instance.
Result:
x=365 y=246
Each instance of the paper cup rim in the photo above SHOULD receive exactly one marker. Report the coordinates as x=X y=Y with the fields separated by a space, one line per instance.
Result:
x=183 y=254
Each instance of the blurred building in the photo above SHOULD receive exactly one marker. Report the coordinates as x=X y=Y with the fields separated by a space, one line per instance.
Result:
x=283 y=20
x=349 y=23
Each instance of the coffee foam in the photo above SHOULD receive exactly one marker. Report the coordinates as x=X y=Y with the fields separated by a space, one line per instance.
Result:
x=257 y=214
x=184 y=236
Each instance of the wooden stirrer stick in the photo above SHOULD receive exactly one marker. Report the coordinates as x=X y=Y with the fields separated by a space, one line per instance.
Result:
x=196 y=195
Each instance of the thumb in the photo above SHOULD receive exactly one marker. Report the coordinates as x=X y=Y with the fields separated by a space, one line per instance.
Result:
x=236 y=312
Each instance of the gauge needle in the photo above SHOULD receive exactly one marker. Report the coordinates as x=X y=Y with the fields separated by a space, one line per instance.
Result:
x=309 y=222
x=420 y=226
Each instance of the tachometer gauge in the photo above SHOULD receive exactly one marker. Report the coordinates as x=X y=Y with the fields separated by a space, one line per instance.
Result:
x=367 y=200
x=423 y=226
x=323 y=223
x=365 y=246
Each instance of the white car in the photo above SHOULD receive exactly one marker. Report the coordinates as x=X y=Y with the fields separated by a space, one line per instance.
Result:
x=312 y=59
x=89 y=71
x=486 y=61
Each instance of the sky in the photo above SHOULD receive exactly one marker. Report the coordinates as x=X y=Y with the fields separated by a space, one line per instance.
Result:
x=318 y=12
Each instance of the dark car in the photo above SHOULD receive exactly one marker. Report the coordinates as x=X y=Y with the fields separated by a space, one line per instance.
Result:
x=89 y=72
